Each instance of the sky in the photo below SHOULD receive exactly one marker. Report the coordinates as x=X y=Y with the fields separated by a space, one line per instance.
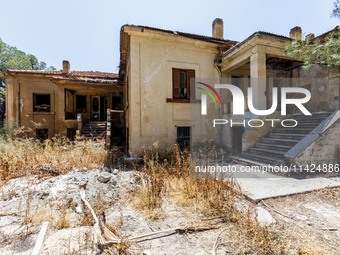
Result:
x=86 y=32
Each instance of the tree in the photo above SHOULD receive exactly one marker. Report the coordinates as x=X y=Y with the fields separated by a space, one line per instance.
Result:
x=325 y=50
x=12 y=58
x=336 y=10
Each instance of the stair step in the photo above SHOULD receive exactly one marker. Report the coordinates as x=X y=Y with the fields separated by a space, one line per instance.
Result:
x=293 y=130
x=94 y=129
x=245 y=160
x=280 y=140
x=270 y=151
x=272 y=145
x=262 y=157
x=285 y=135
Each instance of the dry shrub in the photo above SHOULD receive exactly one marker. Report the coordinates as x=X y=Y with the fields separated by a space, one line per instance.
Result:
x=172 y=176
x=99 y=207
x=151 y=183
x=22 y=157
x=210 y=196
x=122 y=247
x=59 y=216
x=260 y=239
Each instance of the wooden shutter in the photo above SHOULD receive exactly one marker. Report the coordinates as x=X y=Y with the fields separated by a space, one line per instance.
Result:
x=176 y=83
x=191 y=84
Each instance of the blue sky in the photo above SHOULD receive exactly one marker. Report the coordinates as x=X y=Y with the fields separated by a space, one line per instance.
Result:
x=86 y=32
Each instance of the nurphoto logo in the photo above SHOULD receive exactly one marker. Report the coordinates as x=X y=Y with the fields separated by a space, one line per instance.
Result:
x=239 y=103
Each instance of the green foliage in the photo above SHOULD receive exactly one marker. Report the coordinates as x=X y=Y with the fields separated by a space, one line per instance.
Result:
x=12 y=58
x=325 y=52
x=336 y=10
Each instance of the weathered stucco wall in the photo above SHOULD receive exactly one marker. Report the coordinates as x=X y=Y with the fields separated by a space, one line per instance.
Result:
x=324 y=150
x=152 y=58
x=31 y=120
x=324 y=85
x=54 y=119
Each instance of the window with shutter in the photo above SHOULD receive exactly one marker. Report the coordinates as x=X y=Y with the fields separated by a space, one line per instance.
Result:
x=181 y=80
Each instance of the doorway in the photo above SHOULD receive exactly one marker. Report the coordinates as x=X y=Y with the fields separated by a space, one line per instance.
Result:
x=237 y=133
x=99 y=105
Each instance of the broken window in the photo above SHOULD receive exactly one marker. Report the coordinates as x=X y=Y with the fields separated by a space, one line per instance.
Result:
x=41 y=102
x=183 y=137
x=181 y=88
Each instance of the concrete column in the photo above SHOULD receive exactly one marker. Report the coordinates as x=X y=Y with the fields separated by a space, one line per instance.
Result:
x=258 y=79
x=227 y=104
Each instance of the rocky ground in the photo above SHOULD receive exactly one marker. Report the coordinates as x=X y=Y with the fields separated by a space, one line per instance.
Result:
x=27 y=202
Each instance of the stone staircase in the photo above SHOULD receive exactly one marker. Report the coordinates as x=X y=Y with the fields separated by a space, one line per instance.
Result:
x=271 y=148
x=94 y=129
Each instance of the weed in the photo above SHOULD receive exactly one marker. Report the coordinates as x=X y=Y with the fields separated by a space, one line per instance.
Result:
x=23 y=157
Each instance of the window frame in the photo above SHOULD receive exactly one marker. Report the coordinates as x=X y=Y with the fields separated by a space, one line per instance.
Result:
x=183 y=141
x=176 y=84
x=35 y=105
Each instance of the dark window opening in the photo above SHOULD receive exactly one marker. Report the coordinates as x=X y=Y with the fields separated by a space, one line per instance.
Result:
x=117 y=102
x=237 y=133
x=236 y=80
x=183 y=137
x=277 y=83
x=41 y=102
x=71 y=133
x=41 y=134
x=81 y=104
x=117 y=136
x=103 y=108
x=181 y=84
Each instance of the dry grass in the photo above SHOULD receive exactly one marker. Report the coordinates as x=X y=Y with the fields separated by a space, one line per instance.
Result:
x=173 y=177
x=207 y=195
x=22 y=157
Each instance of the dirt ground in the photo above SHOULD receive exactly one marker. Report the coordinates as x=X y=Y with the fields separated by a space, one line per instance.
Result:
x=310 y=221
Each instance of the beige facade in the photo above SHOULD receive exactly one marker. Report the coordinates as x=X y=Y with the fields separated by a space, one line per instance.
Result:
x=150 y=57
x=262 y=63
x=46 y=103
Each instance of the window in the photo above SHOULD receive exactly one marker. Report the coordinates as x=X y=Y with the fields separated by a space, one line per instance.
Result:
x=183 y=137
x=71 y=133
x=117 y=102
x=41 y=134
x=80 y=104
x=41 y=102
x=181 y=88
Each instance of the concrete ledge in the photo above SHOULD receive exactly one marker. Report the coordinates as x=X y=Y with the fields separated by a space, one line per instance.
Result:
x=314 y=135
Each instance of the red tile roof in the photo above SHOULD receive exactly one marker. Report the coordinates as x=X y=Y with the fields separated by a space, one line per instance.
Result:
x=72 y=74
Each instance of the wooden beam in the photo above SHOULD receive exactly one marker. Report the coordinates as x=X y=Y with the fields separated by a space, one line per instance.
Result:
x=40 y=239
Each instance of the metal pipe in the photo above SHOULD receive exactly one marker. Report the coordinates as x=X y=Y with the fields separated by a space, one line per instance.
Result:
x=19 y=106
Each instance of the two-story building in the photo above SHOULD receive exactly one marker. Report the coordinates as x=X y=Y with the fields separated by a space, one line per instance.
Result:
x=160 y=68
x=45 y=103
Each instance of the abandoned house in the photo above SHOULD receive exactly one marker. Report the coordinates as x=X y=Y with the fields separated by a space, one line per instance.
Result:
x=162 y=106
x=46 y=103
x=154 y=89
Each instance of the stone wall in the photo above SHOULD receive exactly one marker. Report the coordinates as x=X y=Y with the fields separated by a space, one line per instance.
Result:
x=324 y=150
